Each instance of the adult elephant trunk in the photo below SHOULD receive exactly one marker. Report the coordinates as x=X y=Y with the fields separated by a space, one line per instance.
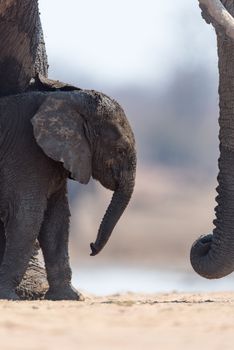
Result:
x=212 y=256
x=118 y=204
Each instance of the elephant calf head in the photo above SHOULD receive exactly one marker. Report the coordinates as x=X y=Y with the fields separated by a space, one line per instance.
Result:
x=89 y=133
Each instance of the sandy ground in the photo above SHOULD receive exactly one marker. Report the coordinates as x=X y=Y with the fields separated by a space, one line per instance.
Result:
x=130 y=321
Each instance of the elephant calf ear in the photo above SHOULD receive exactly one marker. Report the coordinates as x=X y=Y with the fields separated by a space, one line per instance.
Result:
x=59 y=131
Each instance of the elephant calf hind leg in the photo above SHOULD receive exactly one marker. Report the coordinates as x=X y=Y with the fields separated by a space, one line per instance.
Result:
x=53 y=240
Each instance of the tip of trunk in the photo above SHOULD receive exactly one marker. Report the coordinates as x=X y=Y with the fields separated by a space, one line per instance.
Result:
x=94 y=249
x=118 y=204
x=206 y=262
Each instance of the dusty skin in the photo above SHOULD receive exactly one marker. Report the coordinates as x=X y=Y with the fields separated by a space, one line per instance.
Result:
x=130 y=321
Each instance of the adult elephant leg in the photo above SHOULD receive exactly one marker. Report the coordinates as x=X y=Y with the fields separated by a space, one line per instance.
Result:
x=53 y=240
x=22 y=228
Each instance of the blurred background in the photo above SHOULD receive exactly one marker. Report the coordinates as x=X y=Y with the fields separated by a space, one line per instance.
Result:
x=158 y=59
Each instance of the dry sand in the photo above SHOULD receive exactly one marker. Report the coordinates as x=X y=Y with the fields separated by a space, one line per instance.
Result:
x=130 y=321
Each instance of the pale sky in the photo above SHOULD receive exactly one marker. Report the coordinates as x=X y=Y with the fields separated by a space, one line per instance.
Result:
x=124 y=42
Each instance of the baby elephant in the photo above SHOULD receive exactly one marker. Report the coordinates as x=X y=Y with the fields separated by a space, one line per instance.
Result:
x=45 y=138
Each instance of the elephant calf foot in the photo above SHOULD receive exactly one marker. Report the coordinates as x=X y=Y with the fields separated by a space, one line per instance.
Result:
x=64 y=293
x=8 y=294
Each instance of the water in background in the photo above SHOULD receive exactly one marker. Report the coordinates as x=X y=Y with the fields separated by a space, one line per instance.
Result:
x=112 y=280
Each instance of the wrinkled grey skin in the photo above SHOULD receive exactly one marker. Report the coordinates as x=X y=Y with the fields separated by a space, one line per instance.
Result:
x=44 y=139
x=22 y=58
x=212 y=256
x=22 y=47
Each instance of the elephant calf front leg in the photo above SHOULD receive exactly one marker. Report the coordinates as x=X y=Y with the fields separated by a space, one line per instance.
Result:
x=53 y=240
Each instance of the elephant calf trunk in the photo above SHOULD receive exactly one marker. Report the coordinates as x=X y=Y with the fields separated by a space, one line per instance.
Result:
x=116 y=208
x=118 y=204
